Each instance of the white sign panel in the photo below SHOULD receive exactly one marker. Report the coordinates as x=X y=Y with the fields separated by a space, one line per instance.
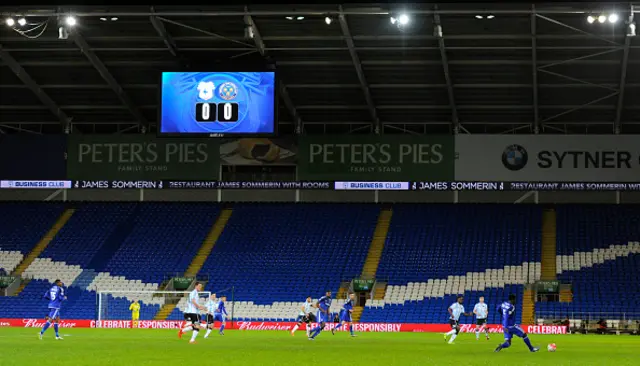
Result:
x=540 y=158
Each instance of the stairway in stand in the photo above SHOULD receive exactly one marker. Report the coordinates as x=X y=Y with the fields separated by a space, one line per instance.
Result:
x=40 y=247
x=200 y=257
x=528 y=307
x=379 y=290
x=343 y=290
x=548 y=245
x=566 y=294
x=357 y=313
x=164 y=312
x=377 y=244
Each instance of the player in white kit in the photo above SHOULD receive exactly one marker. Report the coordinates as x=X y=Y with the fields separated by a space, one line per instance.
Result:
x=455 y=310
x=482 y=313
x=191 y=313
x=305 y=316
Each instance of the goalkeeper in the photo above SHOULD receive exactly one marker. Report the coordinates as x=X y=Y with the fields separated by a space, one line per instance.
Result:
x=135 y=313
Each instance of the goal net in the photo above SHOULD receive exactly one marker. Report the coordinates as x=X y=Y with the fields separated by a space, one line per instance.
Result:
x=116 y=305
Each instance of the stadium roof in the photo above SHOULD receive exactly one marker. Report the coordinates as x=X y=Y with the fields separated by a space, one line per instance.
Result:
x=477 y=68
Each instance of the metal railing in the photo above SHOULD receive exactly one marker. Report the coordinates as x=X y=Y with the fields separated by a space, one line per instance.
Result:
x=593 y=322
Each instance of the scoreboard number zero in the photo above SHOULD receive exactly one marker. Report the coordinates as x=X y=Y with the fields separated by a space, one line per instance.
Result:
x=217 y=112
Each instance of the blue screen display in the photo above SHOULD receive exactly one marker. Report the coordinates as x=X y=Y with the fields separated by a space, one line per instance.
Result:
x=225 y=103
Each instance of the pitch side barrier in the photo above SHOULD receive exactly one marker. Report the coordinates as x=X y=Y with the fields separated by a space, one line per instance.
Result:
x=322 y=185
x=277 y=326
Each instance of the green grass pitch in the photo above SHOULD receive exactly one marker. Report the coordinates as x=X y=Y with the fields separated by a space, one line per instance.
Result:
x=138 y=347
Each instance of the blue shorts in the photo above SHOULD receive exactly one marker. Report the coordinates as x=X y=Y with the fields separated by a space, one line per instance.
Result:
x=54 y=313
x=514 y=330
x=218 y=317
x=345 y=316
x=323 y=317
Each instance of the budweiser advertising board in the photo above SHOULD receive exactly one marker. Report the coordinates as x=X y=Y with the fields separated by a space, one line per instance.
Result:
x=283 y=326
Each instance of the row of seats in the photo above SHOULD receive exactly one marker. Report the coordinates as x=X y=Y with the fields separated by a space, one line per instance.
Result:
x=273 y=256
x=9 y=260
x=434 y=310
x=436 y=241
x=23 y=224
x=595 y=256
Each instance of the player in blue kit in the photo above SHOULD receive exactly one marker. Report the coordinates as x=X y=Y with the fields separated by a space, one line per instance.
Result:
x=324 y=314
x=56 y=296
x=220 y=315
x=345 y=314
x=508 y=311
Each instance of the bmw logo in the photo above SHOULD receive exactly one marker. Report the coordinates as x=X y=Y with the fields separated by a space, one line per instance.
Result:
x=514 y=157
x=228 y=91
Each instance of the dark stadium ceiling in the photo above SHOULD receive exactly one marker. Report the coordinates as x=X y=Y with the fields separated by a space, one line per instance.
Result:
x=476 y=68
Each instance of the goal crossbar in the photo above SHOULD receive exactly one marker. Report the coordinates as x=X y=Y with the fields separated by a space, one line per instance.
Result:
x=114 y=304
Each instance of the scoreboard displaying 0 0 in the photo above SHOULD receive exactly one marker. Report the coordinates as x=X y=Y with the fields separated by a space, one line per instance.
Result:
x=218 y=103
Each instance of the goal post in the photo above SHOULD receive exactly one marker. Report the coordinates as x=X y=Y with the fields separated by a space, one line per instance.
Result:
x=114 y=305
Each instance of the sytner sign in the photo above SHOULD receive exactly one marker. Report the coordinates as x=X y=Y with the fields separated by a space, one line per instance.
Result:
x=540 y=158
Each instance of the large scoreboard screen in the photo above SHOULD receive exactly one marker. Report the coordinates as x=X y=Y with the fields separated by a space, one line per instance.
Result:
x=218 y=104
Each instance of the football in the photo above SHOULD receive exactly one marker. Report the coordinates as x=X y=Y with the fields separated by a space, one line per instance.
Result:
x=551 y=347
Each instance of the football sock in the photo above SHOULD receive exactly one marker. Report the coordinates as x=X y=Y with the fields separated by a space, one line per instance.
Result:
x=506 y=344
x=337 y=326
x=453 y=337
x=527 y=342
x=351 y=329
x=55 y=327
x=194 y=335
x=477 y=333
x=452 y=331
x=221 y=328
x=187 y=329
x=295 y=328
x=46 y=326
x=207 y=333
x=315 y=332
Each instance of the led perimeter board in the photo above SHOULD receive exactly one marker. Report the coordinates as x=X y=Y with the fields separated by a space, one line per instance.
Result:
x=218 y=104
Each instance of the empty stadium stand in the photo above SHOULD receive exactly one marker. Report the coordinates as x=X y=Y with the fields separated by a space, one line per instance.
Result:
x=434 y=252
x=283 y=253
x=598 y=253
x=22 y=225
x=273 y=256
x=115 y=246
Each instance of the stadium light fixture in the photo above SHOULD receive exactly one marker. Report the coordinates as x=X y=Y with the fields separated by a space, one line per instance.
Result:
x=613 y=18
x=103 y=19
x=288 y=18
x=10 y=22
x=403 y=19
x=479 y=16
x=328 y=20
x=300 y=18
x=113 y=19
x=22 y=22
x=490 y=16
x=591 y=19
x=602 y=18
x=631 y=29
x=70 y=21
